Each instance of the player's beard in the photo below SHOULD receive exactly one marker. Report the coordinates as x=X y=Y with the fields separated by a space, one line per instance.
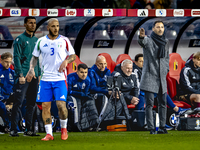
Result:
x=51 y=33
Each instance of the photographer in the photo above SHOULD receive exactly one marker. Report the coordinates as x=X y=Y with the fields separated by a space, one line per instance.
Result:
x=125 y=89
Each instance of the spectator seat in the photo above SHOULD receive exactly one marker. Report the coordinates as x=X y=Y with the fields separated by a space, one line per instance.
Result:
x=122 y=57
x=175 y=66
x=110 y=63
x=72 y=67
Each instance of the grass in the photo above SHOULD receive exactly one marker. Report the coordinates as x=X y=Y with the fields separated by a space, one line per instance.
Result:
x=140 y=140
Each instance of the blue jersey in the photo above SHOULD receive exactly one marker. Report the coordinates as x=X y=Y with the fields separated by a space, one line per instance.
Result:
x=6 y=82
x=78 y=87
x=98 y=79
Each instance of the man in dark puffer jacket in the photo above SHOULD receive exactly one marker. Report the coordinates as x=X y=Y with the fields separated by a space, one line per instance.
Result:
x=190 y=82
x=85 y=114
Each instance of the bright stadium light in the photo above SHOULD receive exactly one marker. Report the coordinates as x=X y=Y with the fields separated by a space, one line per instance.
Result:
x=104 y=32
x=121 y=32
x=174 y=33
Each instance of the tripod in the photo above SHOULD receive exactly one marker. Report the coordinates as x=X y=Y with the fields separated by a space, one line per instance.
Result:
x=116 y=96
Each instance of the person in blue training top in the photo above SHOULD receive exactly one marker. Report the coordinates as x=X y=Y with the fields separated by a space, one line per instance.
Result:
x=6 y=88
x=79 y=93
x=98 y=74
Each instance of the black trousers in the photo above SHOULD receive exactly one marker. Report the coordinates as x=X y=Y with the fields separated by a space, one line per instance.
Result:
x=29 y=91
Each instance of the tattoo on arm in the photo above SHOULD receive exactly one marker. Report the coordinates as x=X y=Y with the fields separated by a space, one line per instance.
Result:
x=33 y=62
x=71 y=58
x=48 y=121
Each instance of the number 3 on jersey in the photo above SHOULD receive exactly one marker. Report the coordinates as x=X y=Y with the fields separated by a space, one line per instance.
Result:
x=52 y=51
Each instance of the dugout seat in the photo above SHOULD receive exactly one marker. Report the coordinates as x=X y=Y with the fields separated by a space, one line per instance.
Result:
x=110 y=63
x=72 y=67
x=175 y=66
x=122 y=57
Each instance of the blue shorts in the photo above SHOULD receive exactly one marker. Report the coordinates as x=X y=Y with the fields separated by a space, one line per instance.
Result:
x=49 y=91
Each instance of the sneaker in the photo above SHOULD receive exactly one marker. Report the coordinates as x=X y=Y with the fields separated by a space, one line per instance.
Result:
x=168 y=127
x=182 y=111
x=64 y=134
x=162 y=131
x=14 y=134
x=48 y=137
x=197 y=109
x=152 y=132
x=30 y=133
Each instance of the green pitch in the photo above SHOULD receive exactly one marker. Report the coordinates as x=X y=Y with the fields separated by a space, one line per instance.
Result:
x=140 y=140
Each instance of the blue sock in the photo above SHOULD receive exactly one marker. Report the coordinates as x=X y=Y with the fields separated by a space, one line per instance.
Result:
x=170 y=103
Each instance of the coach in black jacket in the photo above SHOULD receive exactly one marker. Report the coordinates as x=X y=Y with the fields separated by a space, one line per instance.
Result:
x=129 y=86
x=190 y=82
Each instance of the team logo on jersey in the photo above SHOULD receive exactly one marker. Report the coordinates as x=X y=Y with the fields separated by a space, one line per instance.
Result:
x=70 y=12
x=34 y=12
x=60 y=45
x=107 y=12
x=105 y=77
x=15 y=12
x=75 y=85
x=45 y=45
x=2 y=76
x=178 y=12
x=52 y=12
x=83 y=86
x=195 y=12
x=89 y=12
x=161 y=12
x=142 y=13
x=1 y=12
x=10 y=76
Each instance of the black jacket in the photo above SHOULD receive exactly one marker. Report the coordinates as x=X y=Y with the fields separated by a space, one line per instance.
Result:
x=129 y=85
x=189 y=79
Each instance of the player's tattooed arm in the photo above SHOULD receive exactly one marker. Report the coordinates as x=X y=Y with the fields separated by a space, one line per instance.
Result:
x=31 y=72
x=64 y=64
x=71 y=58
x=33 y=62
